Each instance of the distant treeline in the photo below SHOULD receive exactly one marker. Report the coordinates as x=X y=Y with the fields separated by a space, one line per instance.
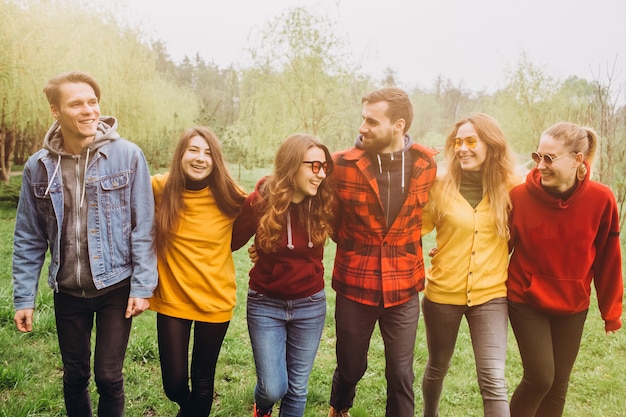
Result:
x=299 y=78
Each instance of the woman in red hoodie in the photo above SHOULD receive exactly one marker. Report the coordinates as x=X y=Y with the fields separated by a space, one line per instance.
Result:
x=564 y=235
x=290 y=213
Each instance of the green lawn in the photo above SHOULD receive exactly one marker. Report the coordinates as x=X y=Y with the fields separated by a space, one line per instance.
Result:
x=30 y=365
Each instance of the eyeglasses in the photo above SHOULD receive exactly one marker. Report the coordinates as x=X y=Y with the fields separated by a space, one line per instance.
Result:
x=317 y=165
x=547 y=159
x=470 y=142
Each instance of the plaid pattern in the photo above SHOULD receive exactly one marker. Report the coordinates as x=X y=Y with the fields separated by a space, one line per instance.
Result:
x=375 y=262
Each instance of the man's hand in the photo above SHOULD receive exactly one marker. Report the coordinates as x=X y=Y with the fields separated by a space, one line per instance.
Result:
x=252 y=253
x=24 y=319
x=136 y=306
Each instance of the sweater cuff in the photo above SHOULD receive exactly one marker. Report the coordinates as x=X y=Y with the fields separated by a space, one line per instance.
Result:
x=613 y=325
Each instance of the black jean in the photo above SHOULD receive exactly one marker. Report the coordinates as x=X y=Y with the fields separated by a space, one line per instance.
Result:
x=74 y=321
x=355 y=324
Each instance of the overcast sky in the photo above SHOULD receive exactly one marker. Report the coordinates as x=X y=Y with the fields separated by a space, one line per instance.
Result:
x=472 y=42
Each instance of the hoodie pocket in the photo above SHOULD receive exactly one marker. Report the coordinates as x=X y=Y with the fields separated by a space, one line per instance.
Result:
x=556 y=295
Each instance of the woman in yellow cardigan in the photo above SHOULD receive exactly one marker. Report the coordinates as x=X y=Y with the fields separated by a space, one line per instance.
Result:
x=196 y=203
x=469 y=206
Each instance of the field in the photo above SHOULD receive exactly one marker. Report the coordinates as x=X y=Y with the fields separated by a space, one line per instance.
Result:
x=30 y=364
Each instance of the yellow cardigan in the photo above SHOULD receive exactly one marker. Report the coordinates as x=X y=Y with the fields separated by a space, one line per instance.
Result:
x=470 y=266
x=197 y=276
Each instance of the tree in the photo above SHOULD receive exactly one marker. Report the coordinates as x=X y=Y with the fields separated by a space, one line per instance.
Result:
x=298 y=82
x=41 y=38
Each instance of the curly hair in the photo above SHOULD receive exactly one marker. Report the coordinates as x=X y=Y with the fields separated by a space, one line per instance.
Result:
x=279 y=188
x=228 y=195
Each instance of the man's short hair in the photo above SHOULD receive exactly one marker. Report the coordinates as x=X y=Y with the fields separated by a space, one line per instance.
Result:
x=400 y=106
x=52 y=88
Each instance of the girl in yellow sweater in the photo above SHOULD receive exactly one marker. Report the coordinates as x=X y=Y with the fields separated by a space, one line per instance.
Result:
x=196 y=203
x=469 y=206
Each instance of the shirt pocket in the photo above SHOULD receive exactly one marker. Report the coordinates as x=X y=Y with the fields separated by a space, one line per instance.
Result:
x=357 y=203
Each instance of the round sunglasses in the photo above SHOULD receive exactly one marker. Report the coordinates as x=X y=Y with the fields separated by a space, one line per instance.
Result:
x=547 y=159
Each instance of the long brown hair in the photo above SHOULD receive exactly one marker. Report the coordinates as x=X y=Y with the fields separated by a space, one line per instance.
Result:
x=498 y=170
x=279 y=188
x=228 y=195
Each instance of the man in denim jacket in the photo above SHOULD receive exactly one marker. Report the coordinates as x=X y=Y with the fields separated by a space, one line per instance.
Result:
x=87 y=195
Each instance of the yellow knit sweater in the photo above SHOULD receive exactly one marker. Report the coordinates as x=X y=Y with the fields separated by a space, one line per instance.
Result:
x=470 y=266
x=197 y=276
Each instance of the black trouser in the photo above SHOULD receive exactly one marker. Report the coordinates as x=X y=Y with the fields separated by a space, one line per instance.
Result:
x=74 y=321
x=174 y=334
x=355 y=324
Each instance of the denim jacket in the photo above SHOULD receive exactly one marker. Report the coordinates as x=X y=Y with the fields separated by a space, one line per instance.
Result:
x=120 y=213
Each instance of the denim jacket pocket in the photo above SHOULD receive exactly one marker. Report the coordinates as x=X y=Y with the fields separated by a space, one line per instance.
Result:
x=44 y=200
x=115 y=188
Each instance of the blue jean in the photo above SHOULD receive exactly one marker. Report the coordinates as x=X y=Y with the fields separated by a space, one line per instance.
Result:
x=74 y=320
x=398 y=326
x=548 y=346
x=488 y=325
x=285 y=335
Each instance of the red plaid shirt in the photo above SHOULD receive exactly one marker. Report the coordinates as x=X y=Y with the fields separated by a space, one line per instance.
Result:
x=377 y=263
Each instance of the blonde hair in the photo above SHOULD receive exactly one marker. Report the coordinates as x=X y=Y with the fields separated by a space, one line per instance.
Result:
x=279 y=188
x=577 y=139
x=498 y=170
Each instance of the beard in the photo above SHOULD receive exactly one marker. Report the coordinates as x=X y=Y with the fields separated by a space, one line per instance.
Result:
x=376 y=144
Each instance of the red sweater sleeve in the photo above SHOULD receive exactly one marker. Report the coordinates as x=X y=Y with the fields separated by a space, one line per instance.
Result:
x=608 y=268
x=246 y=223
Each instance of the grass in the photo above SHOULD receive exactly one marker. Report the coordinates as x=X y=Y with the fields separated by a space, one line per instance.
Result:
x=30 y=364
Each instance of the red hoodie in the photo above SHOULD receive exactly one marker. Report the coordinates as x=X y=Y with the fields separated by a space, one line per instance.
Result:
x=286 y=274
x=560 y=246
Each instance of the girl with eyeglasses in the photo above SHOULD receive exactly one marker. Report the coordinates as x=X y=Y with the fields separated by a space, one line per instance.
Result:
x=290 y=215
x=469 y=206
x=564 y=235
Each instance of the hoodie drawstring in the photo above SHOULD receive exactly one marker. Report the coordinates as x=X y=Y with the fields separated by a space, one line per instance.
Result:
x=56 y=169
x=402 y=172
x=380 y=168
x=290 y=245
x=82 y=196
x=54 y=173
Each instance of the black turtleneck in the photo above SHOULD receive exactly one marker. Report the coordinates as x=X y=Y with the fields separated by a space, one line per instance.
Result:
x=471 y=187
x=193 y=185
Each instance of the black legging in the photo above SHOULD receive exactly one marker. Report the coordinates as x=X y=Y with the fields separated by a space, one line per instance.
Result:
x=548 y=346
x=173 y=336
